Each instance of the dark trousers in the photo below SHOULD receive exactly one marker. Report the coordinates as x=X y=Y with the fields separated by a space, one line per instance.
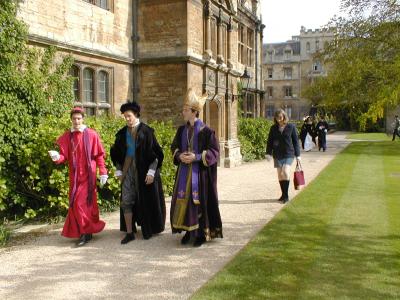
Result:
x=395 y=132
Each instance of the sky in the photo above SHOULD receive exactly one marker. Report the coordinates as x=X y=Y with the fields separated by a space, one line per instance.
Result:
x=284 y=18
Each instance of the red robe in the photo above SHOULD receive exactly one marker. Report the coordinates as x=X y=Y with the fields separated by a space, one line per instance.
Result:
x=83 y=215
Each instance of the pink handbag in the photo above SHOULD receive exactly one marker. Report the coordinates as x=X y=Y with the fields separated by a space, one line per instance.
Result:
x=298 y=177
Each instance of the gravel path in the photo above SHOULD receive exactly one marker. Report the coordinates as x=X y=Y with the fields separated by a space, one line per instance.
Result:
x=50 y=267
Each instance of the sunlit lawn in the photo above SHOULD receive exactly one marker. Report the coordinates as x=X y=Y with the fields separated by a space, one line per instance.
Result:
x=338 y=239
x=376 y=136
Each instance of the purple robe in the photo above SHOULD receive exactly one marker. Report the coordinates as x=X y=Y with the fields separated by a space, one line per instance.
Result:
x=193 y=211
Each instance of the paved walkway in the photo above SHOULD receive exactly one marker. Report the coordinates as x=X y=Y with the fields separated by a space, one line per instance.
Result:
x=50 y=267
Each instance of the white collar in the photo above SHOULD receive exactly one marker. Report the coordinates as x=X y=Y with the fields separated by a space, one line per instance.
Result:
x=81 y=129
x=136 y=124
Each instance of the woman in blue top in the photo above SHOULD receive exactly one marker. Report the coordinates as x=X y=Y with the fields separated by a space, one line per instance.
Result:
x=283 y=146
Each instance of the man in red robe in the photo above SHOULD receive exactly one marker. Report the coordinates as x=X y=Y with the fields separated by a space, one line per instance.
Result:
x=82 y=148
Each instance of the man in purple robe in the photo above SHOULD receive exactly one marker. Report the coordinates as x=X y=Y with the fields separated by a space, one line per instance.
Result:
x=194 y=206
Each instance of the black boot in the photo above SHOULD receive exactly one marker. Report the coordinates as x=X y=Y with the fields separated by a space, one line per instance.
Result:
x=282 y=196
x=129 y=237
x=285 y=184
x=186 y=238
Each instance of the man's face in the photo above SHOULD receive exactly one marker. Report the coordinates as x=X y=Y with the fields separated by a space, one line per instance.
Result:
x=188 y=114
x=130 y=118
x=77 y=121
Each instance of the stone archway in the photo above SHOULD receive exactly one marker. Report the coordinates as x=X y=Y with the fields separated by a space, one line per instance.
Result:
x=215 y=118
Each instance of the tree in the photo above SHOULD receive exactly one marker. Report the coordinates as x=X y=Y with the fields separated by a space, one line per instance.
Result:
x=364 y=61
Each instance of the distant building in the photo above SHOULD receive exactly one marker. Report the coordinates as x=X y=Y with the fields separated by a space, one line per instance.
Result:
x=288 y=68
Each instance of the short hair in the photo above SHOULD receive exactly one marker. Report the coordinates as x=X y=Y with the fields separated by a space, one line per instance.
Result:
x=197 y=113
x=396 y=116
x=283 y=113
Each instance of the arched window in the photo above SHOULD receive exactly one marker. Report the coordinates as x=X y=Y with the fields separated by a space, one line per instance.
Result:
x=75 y=72
x=88 y=85
x=102 y=87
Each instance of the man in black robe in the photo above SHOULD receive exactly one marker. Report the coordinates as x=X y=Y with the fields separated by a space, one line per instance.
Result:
x=138 y=158
x=194 y=206
x=321 y=129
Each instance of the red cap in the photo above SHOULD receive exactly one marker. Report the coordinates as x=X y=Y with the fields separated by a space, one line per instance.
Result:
x=77 y=110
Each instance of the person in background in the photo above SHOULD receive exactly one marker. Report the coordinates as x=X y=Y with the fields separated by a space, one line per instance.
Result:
x=307 y=128
x=396 y=125
x=321 y=129
x=283 y=146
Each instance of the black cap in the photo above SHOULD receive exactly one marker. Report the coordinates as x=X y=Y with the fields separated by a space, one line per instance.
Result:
x=133 y=106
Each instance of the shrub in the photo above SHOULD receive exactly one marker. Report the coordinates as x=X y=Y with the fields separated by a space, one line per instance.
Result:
x=253 y=134
x=43 y=186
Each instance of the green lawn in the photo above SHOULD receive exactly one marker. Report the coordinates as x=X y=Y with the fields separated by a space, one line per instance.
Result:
x=338 y=239
x=377 y=136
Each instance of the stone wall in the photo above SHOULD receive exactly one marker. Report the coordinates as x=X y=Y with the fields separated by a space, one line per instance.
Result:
x=162 y=28
x=81 y=24
x=162 y=90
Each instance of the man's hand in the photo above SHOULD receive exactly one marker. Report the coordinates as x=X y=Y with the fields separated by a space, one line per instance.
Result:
x=149 y=179
x=118 y=174
x=103 y=180
x=187 y=157
x=54 y=155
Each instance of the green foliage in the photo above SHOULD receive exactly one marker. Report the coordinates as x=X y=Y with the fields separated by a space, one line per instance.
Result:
x=165 y=133
x=364 y=62
x=253 y=134
x=4 y=235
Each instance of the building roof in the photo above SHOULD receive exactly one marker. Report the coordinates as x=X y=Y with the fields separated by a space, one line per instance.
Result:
x=279 y=48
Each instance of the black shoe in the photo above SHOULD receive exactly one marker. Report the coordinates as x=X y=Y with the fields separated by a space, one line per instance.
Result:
x=285 y=200
x=129 y=237
x=186 y=238
x=84 y=239
x=199 y=241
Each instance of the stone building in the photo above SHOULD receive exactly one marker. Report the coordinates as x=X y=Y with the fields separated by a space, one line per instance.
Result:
x=152 y=51
x=288 y=68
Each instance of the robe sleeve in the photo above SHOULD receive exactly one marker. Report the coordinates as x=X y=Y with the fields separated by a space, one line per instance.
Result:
x=176 y=149
x=295 y=141
x=63 y=143
x=210 y=155
x=98 y=154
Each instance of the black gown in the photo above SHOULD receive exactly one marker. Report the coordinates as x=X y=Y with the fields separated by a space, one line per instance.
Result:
x=149 y=210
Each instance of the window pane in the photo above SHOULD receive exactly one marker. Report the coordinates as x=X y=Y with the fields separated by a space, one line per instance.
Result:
x=88 y=85
x=214 y=37
x=74 y=72
x=90 y=111
x=102 y=87
x=102 y=3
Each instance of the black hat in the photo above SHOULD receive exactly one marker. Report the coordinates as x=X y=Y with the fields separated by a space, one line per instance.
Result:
x=133 y=106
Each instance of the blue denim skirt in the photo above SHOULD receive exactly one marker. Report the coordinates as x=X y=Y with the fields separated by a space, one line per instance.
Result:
x=278 y=163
